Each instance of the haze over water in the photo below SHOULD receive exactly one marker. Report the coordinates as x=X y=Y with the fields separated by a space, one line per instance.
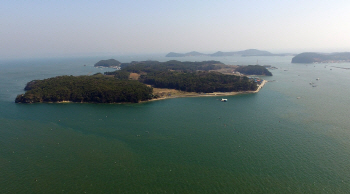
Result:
x=269 y=142
x=83 y=28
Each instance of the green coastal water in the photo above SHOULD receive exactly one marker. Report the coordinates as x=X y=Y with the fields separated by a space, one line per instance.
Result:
x=269 y=142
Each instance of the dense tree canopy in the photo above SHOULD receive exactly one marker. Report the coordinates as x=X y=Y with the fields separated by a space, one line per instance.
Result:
x=201 y=81
x=121 y=75
x=254 y=70
x=107 y=63
x=152 y=66
x=191 y=76
x=98 y=88
x=117 y=87
x=187 y=76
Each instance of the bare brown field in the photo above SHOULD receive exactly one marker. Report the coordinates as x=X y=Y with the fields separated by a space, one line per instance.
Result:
x=134 y=76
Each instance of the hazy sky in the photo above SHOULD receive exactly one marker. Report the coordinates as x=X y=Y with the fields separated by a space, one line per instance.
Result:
x=40 y=28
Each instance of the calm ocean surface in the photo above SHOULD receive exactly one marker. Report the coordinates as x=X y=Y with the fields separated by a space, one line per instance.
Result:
x=269 y=142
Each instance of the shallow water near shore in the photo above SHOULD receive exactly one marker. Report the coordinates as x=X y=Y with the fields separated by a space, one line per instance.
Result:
x=288 y=138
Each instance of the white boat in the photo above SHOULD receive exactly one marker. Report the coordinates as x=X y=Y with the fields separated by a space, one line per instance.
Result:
x=223 y=100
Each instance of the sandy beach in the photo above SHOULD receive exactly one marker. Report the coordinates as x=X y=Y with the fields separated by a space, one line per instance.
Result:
x=172 y=93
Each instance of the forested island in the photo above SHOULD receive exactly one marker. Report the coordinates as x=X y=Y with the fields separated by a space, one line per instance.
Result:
x=311 y=57
x=136 y=80
x=108 y=63
x=96 y=88
x=244 y=53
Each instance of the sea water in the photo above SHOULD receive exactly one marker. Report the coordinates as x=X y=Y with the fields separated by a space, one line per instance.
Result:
x=288 y=138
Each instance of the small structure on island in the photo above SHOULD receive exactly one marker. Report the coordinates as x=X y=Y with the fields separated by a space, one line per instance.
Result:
x=223 y=100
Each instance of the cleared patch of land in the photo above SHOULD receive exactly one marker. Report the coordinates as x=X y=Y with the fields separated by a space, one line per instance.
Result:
x=227 y=69
x=134 y=76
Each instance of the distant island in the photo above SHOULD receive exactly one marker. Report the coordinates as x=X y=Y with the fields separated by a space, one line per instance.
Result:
x=112 y=63
x=147 y=80
x=244 y=53
x=311 y=57
x=193 y=53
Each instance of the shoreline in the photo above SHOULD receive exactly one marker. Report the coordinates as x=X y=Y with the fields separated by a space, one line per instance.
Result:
x=181 y=94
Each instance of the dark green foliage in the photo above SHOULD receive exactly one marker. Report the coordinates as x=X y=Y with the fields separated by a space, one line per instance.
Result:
x=201 y=81
x=121 y=75
x=187 y=76
x=152 y=66
x=99 y=89
x=107 y=63
x=254 y=70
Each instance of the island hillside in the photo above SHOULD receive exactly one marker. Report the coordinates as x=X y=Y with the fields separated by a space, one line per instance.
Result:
x=136 y=80
x=254 y=70
x=311 y=57
x=205 y=76
x=97 y=88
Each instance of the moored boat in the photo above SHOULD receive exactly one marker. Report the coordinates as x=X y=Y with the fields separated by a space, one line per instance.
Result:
x=223 y=100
